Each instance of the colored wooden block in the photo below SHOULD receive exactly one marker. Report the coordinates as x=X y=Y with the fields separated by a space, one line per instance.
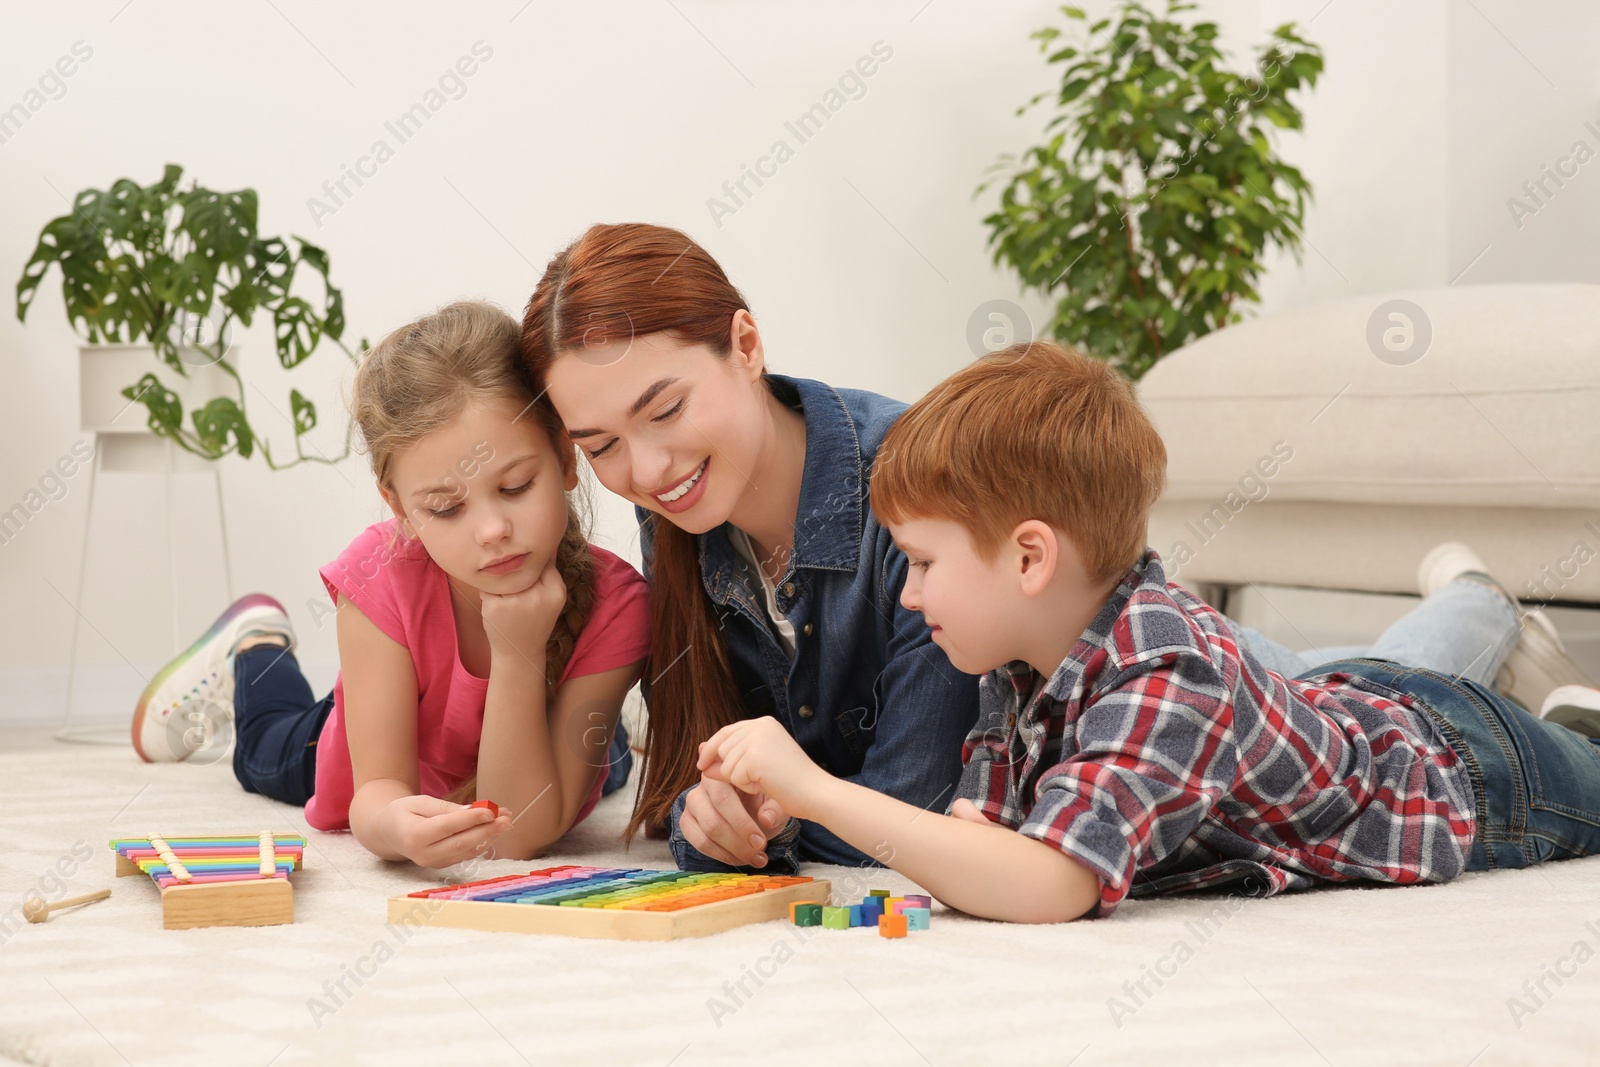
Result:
x=855 y=914
x=801 y=913
x=489 y=805
x=879 y=893
x=917 y=918
x=892 y=926
x=919 y=901
x=836 y=918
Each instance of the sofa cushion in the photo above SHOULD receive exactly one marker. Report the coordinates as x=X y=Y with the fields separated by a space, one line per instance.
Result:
x=1501 y=409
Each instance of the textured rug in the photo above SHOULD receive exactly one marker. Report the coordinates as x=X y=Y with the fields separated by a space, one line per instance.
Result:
x=1492 y=969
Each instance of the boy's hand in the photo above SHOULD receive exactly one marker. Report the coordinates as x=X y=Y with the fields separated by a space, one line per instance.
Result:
x=967 y=811
x=519 y=624
x=728 y=825
x=436 y=833
x=758 y=756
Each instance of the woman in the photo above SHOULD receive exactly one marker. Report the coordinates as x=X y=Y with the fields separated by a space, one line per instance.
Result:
x=775 y=591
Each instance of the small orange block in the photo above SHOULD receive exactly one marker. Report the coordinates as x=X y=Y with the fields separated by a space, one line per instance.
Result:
x=892 y=926
x=489 y=805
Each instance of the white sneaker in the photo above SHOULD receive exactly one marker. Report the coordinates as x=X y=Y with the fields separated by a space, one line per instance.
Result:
x=189 y=702
x=1539 y=662
x=1449 y=561
x=1539 y=665
x=1577 y=707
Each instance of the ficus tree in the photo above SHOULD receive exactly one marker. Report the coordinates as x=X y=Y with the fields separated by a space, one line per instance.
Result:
x=1148 y=213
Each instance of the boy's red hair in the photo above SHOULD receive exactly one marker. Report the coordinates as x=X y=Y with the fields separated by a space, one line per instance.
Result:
x=1034 y=431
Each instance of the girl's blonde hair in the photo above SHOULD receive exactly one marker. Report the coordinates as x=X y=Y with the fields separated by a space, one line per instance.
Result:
x=421 y=377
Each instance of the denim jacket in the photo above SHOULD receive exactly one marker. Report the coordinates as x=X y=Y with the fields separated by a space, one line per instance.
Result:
x=868 y=695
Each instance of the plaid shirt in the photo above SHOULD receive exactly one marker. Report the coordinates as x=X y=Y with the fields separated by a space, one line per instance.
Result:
x=1164 y=758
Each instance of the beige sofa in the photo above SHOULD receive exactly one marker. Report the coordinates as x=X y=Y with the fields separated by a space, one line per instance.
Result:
x=1333 y=445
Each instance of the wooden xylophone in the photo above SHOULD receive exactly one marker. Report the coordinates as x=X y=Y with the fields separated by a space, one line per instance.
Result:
x=217 y=881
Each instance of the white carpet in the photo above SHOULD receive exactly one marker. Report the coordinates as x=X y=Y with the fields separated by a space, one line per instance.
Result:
x=1390 y=976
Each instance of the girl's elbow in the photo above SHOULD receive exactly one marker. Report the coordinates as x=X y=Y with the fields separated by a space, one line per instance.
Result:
x=532 y=850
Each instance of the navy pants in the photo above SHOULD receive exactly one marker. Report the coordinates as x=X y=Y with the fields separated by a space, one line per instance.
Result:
x=277 y=721
x=1537 y=783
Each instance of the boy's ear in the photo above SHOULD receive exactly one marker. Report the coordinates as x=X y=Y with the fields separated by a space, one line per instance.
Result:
x=1037 y=552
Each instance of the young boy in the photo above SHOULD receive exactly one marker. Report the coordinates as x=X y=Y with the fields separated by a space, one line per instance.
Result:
x=1126 y=744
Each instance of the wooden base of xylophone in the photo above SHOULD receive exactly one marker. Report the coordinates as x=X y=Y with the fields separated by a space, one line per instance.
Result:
x=253 y=902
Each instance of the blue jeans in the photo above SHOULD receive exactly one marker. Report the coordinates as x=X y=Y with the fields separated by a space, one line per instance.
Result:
x=277 y=722
x=1537 y=784
x=1465 y=629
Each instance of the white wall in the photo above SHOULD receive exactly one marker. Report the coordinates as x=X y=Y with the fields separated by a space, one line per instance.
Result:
x=862 y=258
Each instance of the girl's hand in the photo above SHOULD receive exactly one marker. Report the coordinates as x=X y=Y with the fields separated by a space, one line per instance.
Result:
x=728 y=825
x=436 y=833
x=519 y=624
x=758 y=756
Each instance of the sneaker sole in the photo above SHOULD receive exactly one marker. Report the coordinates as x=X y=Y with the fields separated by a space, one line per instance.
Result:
x=1580 y=720
x=254 y=600
x=1538 y=665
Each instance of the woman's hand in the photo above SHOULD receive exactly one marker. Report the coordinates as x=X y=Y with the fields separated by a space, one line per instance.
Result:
x=758 y=756
x=728 y=825
x=519 y=624
x=436 y=833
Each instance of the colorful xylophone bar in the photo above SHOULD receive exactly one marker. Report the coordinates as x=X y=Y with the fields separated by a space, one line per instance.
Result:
x=200 y=860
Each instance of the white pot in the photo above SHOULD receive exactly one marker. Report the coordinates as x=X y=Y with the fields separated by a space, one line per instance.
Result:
x=122 y=425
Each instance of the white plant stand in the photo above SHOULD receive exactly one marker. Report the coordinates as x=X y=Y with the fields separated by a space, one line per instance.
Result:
x=123 y=444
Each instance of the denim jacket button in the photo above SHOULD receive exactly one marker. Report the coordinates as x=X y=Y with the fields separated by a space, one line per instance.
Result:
x=788 y=589
x=806 y=629
x=805 y=711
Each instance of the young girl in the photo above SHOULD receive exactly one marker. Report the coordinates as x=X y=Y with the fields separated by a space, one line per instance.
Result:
x=775 y=591
x=485 y=646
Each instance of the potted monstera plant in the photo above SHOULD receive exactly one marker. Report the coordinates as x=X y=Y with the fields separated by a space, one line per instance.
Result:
x=155 y=278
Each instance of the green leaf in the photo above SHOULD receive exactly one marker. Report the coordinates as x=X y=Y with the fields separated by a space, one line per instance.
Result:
x=221 y=225
x=298 y=330
x=164 y=408
x=219 y=422
x=305 y=412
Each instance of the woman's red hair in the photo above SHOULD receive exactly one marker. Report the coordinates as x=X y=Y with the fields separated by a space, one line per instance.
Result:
x=610 y=285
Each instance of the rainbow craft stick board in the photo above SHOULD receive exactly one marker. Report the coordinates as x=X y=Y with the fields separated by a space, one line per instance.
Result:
x=625 y=904
x=217 y=881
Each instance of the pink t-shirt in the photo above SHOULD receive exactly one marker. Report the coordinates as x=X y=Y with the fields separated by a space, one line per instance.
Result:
x=396 y=584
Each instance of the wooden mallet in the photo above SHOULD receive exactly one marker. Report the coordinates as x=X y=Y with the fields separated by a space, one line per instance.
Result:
x=37 y=911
